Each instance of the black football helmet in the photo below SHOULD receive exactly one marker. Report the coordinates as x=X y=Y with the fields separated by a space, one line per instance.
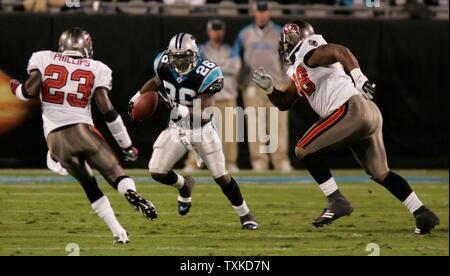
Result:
x=76 y=42
x=291 y=38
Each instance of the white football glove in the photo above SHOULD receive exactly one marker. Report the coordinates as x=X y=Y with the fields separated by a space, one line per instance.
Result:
x=55 y=166
x=263 y=80
x=362 y=84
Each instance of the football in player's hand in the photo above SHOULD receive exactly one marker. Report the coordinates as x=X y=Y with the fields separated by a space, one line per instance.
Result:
x=145 y=105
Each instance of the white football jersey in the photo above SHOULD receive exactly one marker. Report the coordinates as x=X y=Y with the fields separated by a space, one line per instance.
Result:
x=68 y=85
x=325 y=87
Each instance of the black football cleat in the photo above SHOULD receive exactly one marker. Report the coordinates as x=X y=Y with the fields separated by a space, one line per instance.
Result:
x=338 y=206
x=184 y=198
x=139 y=203
x=426 y=220
x=249 y=222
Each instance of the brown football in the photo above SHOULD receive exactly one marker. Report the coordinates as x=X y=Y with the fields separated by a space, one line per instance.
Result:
x=145 y=105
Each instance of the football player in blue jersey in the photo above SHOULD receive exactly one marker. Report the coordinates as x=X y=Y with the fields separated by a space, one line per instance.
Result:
x=187 y=84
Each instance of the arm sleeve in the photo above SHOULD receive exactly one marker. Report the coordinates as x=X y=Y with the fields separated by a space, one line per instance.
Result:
x=311 y=43
x=238 y=44
x=36 y=62
x=104 y=78
x=213 y=82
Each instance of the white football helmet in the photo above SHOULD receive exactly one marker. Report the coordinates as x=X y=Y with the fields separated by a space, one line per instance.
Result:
x=183 y=53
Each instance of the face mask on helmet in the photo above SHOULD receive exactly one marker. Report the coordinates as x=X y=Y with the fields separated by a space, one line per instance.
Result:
x=183 y=62
x=291 y=38
x=183 y=53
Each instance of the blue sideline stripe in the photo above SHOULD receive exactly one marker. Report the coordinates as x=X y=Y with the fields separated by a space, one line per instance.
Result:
x=9 y=179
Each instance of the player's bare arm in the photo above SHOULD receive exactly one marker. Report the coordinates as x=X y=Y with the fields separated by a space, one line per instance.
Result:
x=281 y=99
x=284 y=100
x=102 y=101
x=329 y=54
x=154 y=84
x=30 y=89
x=115 y=124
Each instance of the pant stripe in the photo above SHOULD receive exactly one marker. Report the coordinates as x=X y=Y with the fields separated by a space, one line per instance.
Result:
x=330 y=121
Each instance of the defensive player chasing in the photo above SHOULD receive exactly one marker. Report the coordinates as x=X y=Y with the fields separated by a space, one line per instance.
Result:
x=348 y=117
x=184 y=80
x=66 y=82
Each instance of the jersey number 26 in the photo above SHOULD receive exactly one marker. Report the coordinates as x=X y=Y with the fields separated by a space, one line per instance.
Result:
x=304 y=85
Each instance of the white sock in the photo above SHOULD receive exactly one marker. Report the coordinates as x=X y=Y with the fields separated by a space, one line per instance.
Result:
x=126 y=184
x=412 y=202
x=180 y=182
x=104 y=210
x=242 y=210
x=329 y=186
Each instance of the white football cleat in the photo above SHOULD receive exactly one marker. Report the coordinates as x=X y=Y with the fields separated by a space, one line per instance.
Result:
x=122 y=238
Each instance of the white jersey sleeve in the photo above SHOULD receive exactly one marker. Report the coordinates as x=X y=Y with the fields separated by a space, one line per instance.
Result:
x=104 y=77
x=311 y=43
x=38 y=61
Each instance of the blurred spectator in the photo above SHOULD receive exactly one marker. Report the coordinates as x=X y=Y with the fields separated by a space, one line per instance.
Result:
x=221 y=54
x=257 y=44
x=35 y=5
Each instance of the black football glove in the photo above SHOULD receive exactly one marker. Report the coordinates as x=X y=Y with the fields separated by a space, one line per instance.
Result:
x=131 y=154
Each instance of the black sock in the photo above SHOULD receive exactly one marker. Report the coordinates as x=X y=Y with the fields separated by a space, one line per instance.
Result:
x=317 y=167
x=92 y=190
x=232 y=192
x=169 y=179
x=397 y=185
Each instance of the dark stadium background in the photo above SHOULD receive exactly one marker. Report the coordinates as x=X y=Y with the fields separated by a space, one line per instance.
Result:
x=407 y=59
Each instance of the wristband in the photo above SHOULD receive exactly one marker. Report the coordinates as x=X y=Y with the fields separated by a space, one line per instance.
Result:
x=356 y=73
x=136 y=96
x=20 y=94
x=119 y=132
x=269 y=90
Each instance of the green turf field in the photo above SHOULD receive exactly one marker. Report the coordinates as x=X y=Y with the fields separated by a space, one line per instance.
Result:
x=42 y=218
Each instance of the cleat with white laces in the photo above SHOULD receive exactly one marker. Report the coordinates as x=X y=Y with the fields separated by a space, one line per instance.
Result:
x=338 y=206
x=145 y=207
x=426 y=220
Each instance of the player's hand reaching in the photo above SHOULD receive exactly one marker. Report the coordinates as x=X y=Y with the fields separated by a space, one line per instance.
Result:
x=131 y=154
x=263 y=80
x=362 y=84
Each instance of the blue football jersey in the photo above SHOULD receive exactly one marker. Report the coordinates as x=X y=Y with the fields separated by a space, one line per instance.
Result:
x=206 y=77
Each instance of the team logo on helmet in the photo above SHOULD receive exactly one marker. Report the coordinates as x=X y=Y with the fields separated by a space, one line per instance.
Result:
x=290 y=29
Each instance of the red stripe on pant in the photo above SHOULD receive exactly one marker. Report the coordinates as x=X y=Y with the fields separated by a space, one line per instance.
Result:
x=318 y=129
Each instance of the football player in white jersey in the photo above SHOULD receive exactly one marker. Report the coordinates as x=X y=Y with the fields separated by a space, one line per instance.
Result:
x=187 y=84
x=66 y=82
x=348 y=117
